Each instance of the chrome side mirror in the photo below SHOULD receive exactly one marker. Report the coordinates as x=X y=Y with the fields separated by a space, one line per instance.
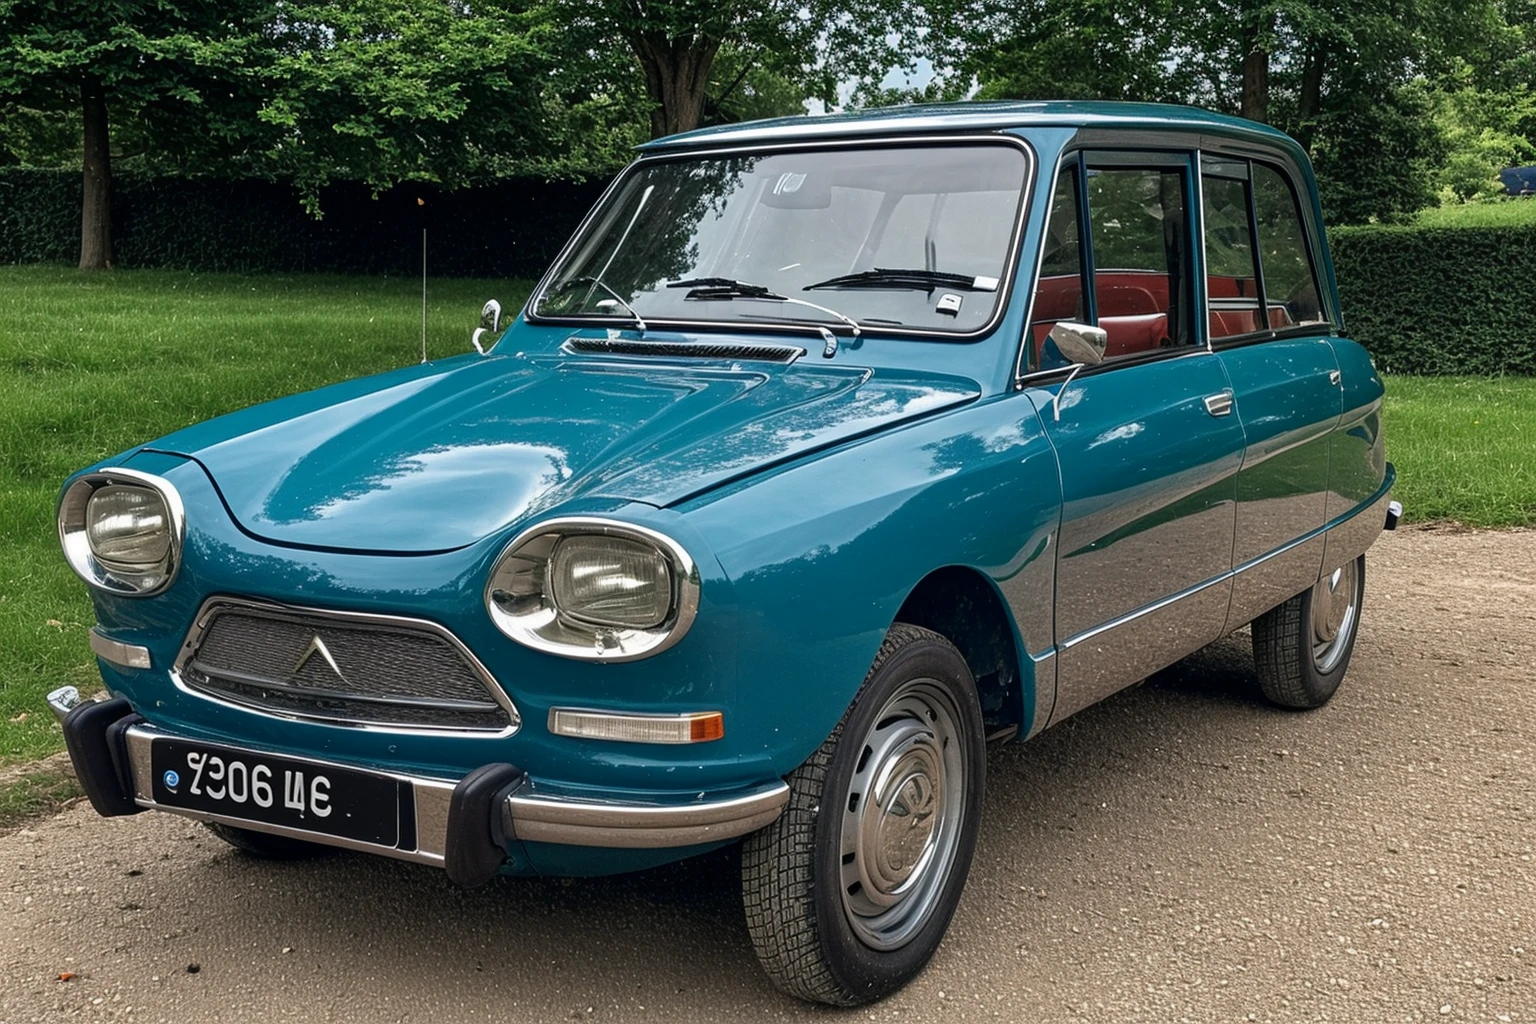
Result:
x=490 y=323
x=1077 y=343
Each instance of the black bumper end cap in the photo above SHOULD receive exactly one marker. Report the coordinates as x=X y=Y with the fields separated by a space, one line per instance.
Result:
x=93 y=734
x=475 y=848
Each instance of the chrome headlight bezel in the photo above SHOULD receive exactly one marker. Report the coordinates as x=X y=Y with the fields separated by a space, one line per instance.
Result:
x=543 y=626
x=143 y=580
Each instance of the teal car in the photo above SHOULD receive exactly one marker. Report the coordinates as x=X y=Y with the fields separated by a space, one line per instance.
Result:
x=829 y=451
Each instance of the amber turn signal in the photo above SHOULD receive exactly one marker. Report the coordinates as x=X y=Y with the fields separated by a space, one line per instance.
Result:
x=697 y=727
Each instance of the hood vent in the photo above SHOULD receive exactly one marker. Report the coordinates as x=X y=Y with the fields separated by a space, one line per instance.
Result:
x=688 y=349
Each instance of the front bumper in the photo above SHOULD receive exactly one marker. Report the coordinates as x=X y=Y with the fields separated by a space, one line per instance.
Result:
x=461 y=825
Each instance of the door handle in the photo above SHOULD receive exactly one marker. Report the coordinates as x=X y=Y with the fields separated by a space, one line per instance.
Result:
x=1219 y=404
x=1334 y=376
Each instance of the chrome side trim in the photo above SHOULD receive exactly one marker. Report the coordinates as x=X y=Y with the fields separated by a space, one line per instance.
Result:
x=546 y=819
x=493 y=688
x=126 y=655
x=1137 y=643
x=431 y=798
x=989 y=136
x=1144 y=610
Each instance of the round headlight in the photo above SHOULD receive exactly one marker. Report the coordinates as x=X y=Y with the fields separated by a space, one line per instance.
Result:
x=594 y=589
x=128 y=528
x=122 y=531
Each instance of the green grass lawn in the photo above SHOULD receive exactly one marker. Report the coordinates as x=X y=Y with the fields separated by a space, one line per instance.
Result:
x=93 y=364
x=1465 y=448
x=1497 y=214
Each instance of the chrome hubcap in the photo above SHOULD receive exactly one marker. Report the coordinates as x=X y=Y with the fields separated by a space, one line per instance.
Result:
x=902 y=817
x=1334 y=608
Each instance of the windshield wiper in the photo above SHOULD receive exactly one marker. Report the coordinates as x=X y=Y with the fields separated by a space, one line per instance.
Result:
x=724 y=288
x=729 y=288
x=571 y=282
x=923 y=280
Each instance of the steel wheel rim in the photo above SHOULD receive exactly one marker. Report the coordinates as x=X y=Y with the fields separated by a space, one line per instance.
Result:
x=1335 y=608
x=902 y=815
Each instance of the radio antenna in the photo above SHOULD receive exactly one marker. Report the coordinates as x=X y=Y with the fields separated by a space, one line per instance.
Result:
x=422 y=202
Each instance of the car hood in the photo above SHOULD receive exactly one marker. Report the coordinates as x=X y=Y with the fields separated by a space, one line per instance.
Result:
x=438 y=456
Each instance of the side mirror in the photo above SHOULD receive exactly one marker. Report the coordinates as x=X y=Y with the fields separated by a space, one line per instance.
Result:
x=1075 y=345
x=1072 y=343
x=490 y=316
x=490 y=323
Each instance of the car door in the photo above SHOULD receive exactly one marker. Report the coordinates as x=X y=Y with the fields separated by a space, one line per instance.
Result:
x=1266 y=321
x=1148 y=450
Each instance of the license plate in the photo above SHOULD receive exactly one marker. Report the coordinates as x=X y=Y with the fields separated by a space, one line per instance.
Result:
x=275 y=790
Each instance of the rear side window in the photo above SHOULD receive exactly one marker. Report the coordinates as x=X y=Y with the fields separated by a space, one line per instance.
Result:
x=1259 y=270
x=1231 y=269
x=1290 y=280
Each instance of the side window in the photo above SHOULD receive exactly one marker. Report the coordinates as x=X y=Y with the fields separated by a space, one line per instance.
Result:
x=1290 y=280
x=1231 y=275
x=1059 y=293
x=1139 y=245
x=1129 y=273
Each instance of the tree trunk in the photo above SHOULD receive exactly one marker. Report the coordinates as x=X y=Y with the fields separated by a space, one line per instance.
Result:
x=1310 y=103
x=676 y=74
x=1257 y=32
x=96 y=209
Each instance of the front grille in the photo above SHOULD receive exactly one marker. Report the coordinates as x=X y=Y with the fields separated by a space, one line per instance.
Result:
x=343 y=668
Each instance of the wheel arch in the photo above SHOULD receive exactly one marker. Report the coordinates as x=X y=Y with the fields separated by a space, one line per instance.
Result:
x=964 y=605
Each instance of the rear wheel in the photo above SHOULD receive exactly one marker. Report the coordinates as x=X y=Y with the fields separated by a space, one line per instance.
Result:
x=850 y=891
x=265 y=845
x=1301 y=649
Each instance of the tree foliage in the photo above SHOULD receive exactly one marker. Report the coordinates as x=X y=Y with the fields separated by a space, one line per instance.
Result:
x=1380 y=91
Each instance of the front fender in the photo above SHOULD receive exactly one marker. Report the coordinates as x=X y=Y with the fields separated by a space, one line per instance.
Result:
x=823 y=553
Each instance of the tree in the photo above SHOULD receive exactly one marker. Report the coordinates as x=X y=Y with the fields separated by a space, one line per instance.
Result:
x=383 y=91
x=809 y=47
x=1347 y=78
x=152 y=62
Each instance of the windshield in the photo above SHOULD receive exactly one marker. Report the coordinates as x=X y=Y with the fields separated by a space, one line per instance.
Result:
x=904 y=237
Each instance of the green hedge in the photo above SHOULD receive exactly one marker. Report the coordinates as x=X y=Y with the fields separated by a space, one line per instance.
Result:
x=510 y=229
x=1422 y=300
x=1441 y=300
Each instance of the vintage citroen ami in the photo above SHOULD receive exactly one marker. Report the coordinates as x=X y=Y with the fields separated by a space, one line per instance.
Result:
x=828 y=451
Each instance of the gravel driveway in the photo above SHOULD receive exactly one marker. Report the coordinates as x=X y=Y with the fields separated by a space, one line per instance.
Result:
x=1181 y=852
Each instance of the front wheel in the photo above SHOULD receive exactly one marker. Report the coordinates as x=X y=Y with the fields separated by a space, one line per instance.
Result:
x=850 y=891
x=1302 y=647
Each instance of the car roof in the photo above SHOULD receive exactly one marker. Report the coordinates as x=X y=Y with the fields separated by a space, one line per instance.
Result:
x=924 y=118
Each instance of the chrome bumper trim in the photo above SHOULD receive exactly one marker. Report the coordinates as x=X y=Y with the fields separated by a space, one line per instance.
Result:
x=126 y=655
x=547 y=819
x=526 y=815
x=62 y=701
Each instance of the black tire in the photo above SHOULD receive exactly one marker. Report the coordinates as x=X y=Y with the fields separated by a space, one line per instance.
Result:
x=1298 y=665
x=815 y=935
x=267 y=846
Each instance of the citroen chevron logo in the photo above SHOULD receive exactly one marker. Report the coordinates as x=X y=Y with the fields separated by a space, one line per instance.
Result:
x=317 y=646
